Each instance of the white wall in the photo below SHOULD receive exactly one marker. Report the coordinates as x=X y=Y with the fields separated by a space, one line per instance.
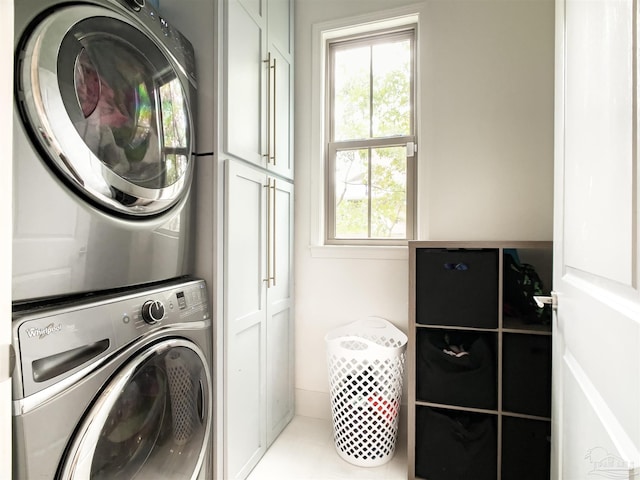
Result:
x=485 y=158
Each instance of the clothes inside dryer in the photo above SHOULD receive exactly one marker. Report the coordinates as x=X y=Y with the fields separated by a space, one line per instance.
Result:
x=123 y=99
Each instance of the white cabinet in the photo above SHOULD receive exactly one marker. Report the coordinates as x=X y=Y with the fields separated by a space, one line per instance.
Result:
x=258 y=315
x=255 y=138
x=258 y=82
x=238 y=95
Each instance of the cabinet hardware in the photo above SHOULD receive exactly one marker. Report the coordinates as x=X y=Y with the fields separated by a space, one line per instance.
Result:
x=271 y=110
x=271 y=233
x=273 y=240
x=268 y=278
x=274 y=123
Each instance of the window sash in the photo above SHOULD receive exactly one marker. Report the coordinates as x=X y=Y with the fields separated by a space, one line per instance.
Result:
x=333 y=147
x=369 y=40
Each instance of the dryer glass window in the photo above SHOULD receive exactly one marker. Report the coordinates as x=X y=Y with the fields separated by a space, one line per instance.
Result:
x=126 y=102
x=156 y=427
x=107 y=103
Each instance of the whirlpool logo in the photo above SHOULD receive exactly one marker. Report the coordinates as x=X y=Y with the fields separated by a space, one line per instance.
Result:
x=42 y=332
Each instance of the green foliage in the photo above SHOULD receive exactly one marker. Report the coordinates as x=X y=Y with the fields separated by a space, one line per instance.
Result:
x=372 y=105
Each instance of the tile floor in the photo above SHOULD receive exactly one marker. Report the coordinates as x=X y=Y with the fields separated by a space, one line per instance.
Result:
x=305 y=451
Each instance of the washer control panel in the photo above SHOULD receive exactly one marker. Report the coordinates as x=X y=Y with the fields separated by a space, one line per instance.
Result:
x=54 y=342
x=183 y=303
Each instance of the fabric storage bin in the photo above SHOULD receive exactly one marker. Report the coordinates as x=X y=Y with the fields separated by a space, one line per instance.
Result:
x=526 y=374
x=466 y=380
x=457 y=287
x=526 y=449
x=453 y=445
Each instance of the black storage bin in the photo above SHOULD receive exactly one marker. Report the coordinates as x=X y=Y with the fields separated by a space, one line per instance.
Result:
x=526 y=374
x=457 y=287
x=526 y=449
x=468 y=380
x=453 y=445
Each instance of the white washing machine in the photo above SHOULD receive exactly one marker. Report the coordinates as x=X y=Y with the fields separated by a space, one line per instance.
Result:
x=103 y=138
x=115 y=387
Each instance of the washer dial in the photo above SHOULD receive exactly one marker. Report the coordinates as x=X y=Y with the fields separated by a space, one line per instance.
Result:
x=152 y=311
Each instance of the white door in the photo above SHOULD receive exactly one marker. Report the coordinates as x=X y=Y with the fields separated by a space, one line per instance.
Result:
x=6 y=98
x=596 y=371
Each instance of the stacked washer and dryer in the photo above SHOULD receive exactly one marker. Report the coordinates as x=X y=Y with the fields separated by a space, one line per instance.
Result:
x=112 y=336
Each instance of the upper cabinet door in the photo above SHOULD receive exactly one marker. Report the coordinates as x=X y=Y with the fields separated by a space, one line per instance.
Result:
x=280 y=86
x=258 y=84
x=279 y=25
x=244 y=87
x=280 y=114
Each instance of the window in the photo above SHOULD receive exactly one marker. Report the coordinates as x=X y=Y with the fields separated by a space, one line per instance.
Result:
x=371 y=149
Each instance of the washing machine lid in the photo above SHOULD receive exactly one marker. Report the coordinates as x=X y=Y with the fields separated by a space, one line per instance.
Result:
x=152 y=420
x=109 y=106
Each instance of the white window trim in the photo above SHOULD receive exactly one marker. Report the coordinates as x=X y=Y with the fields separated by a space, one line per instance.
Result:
x=321 y=32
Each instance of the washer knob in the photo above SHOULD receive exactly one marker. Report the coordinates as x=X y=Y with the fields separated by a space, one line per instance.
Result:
x=152 y=311
x=136 y=4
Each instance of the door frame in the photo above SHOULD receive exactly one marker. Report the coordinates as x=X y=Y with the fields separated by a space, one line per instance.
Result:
x=6 y=182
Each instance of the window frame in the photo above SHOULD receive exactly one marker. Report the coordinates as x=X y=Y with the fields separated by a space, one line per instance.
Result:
x=370 y=38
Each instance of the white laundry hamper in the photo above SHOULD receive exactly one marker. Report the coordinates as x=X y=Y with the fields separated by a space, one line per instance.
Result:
x=366 y=366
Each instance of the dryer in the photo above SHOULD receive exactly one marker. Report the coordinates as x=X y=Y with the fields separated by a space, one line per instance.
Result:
x=103 y=137
x=115 y=386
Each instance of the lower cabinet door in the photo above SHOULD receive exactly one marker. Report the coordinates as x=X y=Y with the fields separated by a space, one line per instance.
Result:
x=259 y=370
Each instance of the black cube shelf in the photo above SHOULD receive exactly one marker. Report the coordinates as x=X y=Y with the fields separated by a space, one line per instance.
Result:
x=479 y=361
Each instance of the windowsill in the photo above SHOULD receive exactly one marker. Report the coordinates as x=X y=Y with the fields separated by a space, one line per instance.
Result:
x=386 y=252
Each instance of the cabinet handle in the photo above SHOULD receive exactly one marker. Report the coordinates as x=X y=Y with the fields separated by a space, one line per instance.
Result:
x=271 y=232
x=268 y=62
x=271 y=98
x=273 y=240
x=268 y=187
x=274 y=123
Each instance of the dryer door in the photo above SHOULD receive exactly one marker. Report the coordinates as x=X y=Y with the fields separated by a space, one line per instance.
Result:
x=108 y=106
x=152 y=421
